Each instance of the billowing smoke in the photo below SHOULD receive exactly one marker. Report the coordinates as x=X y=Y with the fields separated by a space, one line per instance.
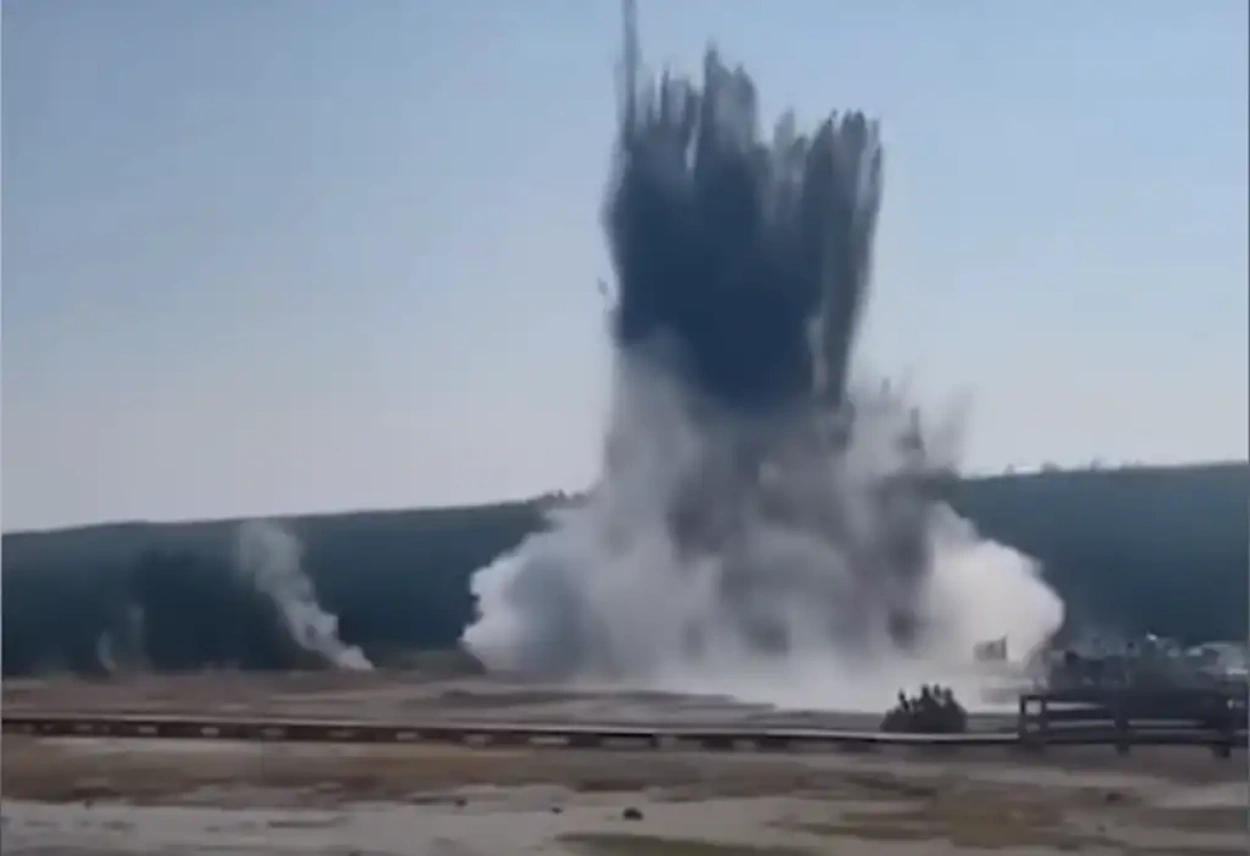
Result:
x=766 y=524
x=269 y=556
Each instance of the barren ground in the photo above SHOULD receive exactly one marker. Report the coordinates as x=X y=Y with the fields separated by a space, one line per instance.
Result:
x=402 y=697
x=95 y=797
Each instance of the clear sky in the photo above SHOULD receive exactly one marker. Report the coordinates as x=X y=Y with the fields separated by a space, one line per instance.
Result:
x=273 y=256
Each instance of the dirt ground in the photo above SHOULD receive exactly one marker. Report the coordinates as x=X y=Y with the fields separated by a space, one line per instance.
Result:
x=106 y=797
x=80 y=797
x=403 y=697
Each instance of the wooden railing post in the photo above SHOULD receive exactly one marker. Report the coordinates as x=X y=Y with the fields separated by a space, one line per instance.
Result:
x=1123 y=731
x=1031 y=721
x=1043 y=723
x=1227 y=724
x=1022 y=720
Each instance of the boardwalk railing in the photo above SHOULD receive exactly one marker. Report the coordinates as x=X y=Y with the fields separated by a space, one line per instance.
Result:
x=1134 y=717
x=1044 y=720
x=486 y=734
x=568 y=736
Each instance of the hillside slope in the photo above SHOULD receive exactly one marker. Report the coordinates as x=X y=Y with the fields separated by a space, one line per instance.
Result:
x=1143 y=549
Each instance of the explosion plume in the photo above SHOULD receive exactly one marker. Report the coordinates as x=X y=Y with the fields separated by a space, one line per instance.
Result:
x=763 y=520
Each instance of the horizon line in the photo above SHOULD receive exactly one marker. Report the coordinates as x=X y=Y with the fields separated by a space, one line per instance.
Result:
x=530 y=499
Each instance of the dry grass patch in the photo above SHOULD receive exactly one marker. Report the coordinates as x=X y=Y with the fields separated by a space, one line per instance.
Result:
x=52 y=773
x=61 y=772
x=1213 y=819
x=964 y=817
x=973 y=816
x=624 y=844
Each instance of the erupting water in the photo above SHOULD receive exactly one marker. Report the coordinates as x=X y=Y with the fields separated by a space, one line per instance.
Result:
x=765 y=526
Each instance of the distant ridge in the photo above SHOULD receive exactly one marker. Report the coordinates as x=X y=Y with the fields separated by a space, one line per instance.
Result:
x=1022 y=474
x=1136 y=549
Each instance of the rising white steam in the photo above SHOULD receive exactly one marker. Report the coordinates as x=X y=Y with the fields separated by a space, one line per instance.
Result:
x=765 y=526
x=269 y=556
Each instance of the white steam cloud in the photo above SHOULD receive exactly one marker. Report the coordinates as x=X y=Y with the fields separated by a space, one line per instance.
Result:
x=269 y=556
x=765 y=526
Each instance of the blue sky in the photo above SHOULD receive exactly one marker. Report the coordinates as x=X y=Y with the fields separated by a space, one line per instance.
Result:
x=268 y=256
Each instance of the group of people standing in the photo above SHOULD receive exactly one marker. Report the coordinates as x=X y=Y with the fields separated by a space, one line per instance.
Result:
x=933 y=710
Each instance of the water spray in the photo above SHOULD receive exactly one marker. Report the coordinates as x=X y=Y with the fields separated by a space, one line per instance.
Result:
x=767 y=523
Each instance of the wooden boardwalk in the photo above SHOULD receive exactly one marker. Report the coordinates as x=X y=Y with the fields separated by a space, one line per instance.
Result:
x=1049 y=719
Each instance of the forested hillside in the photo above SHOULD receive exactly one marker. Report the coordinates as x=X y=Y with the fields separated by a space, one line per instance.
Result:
x=1133 y=550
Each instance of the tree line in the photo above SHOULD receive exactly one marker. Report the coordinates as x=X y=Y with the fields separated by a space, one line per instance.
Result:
x=1138 y=550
